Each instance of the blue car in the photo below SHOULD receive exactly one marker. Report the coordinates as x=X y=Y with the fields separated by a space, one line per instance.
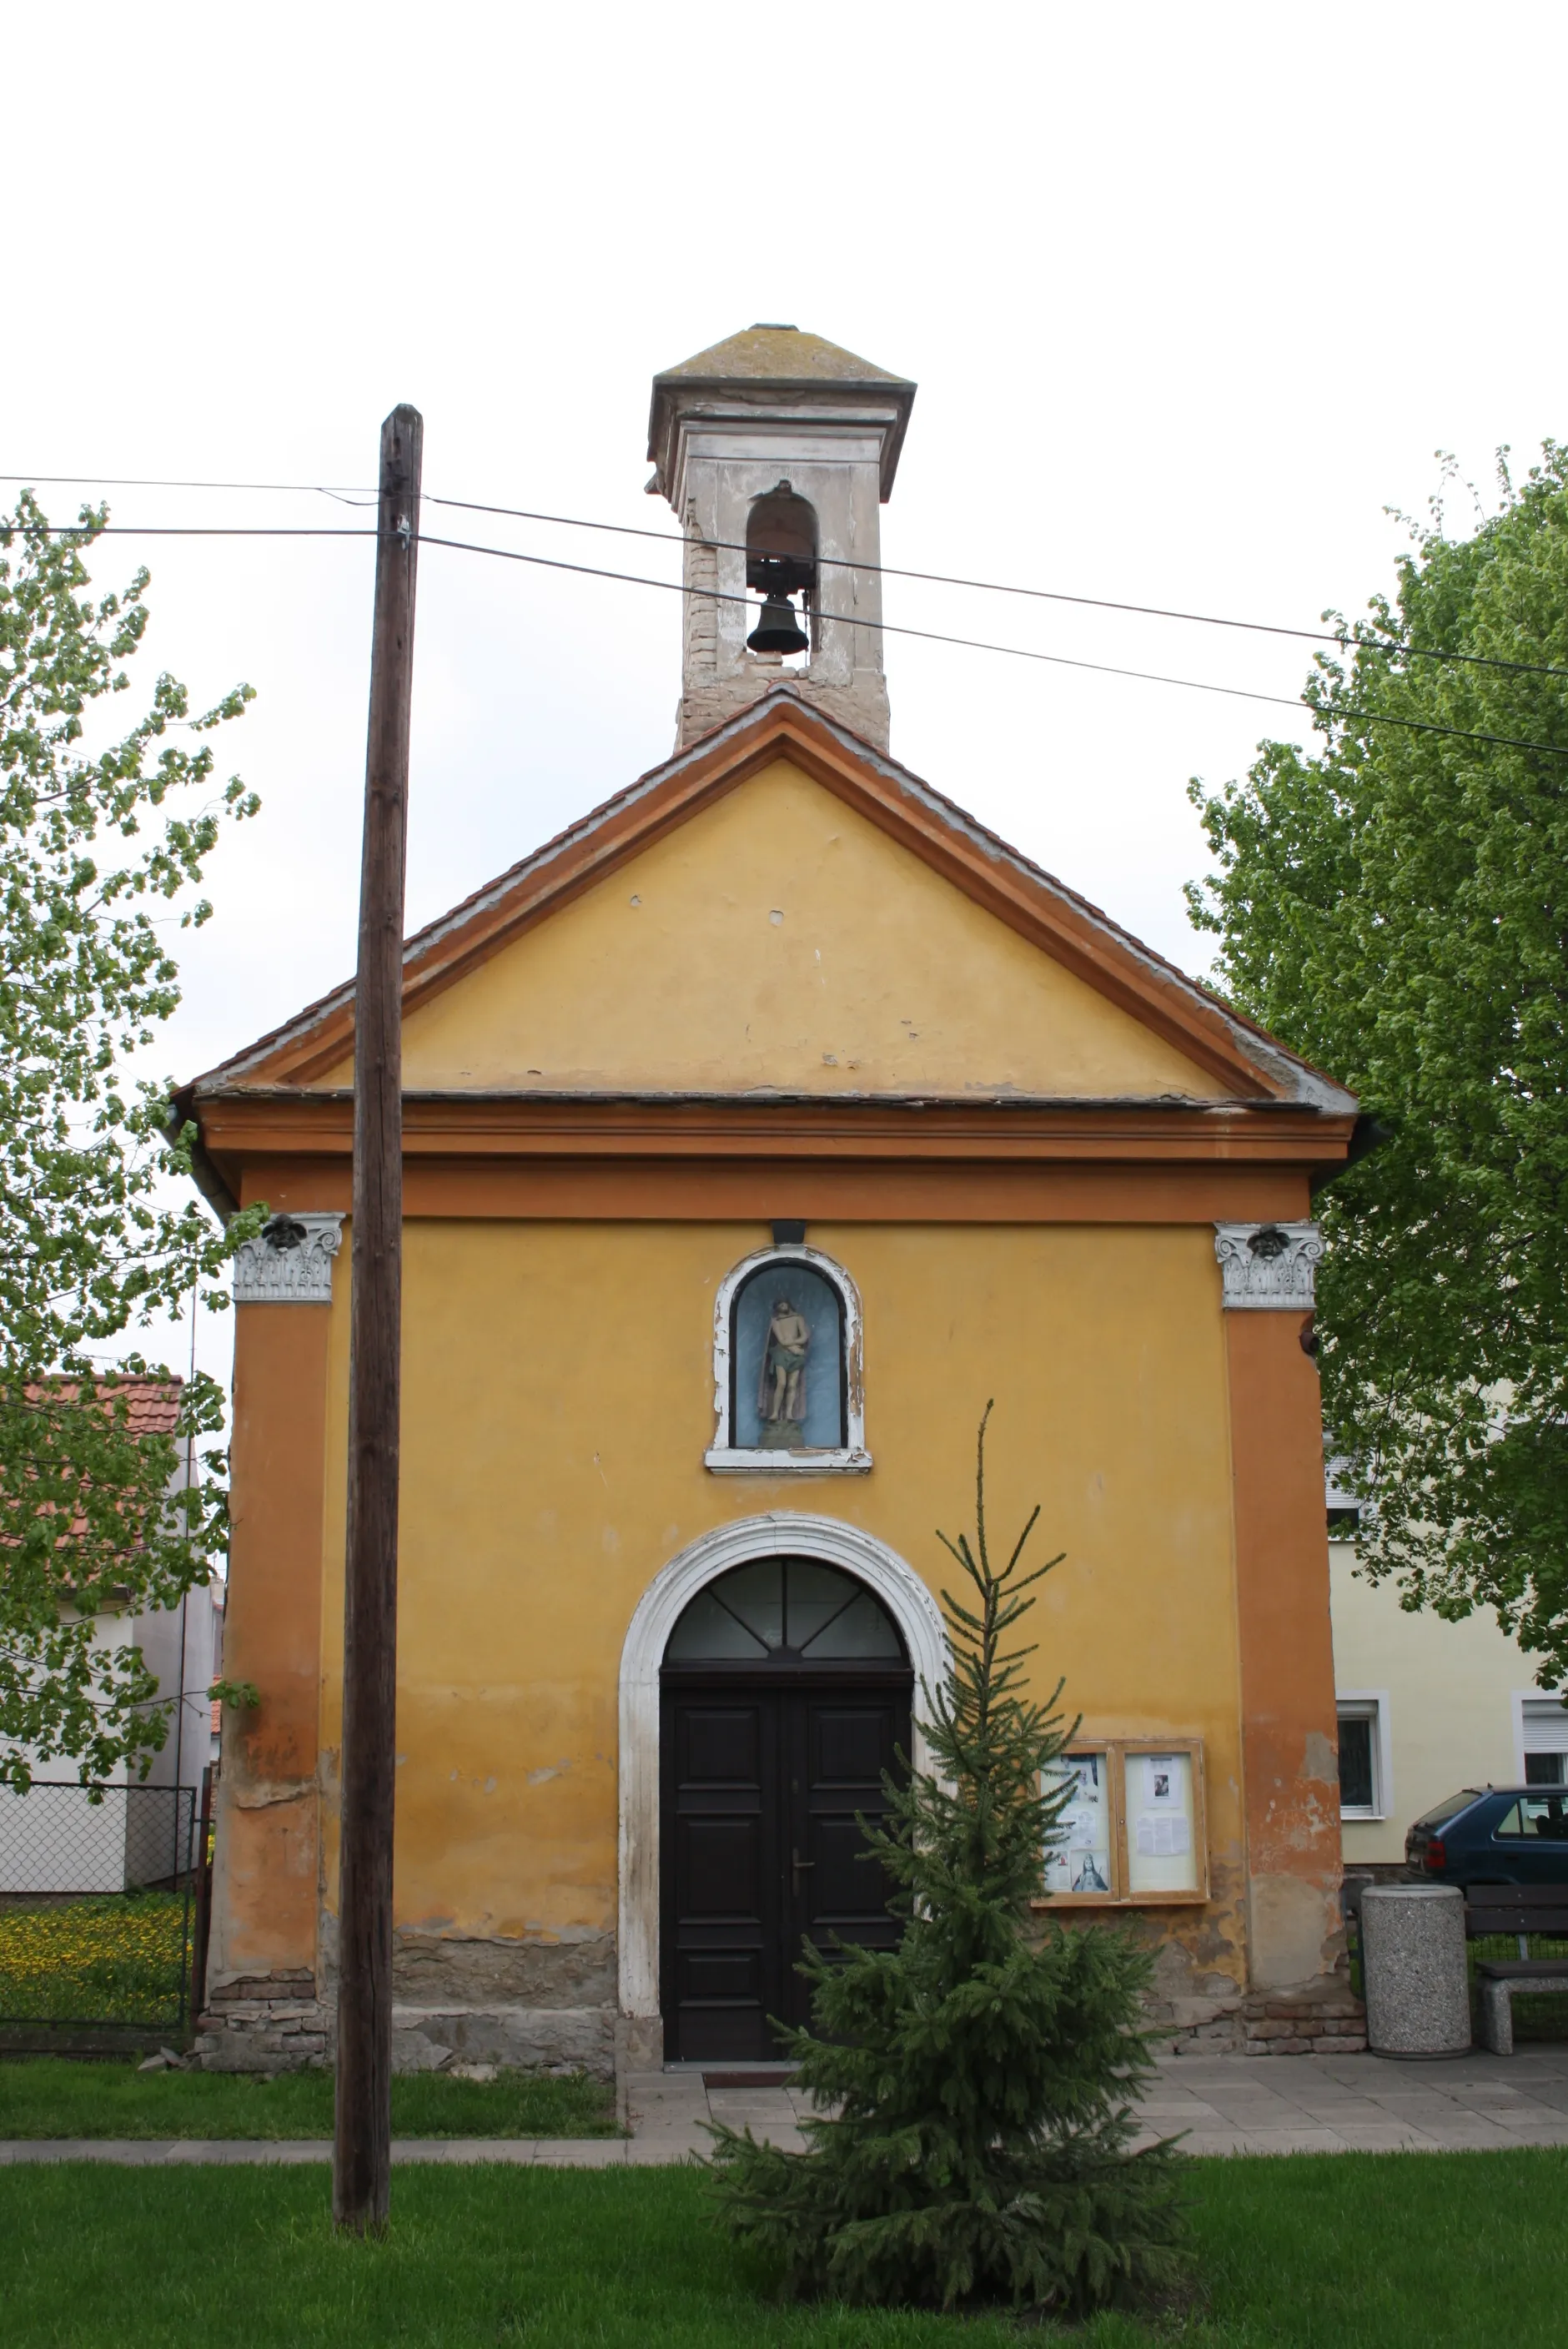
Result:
x=1493 y=1834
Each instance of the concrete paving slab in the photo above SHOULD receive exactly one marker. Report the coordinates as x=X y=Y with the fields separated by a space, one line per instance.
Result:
x=1387 y=2136
x=1294 y=2140
x=1467 y=2136
x=581 y=2152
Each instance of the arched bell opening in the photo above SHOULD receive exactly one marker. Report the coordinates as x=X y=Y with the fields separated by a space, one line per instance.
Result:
x=785 y=1711
x=781 y=563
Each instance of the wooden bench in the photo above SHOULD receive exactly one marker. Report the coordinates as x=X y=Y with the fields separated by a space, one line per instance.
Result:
x=1520 y=1910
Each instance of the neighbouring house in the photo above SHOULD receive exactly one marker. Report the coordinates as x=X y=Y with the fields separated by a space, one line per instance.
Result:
x=757 y=1130
x=1425 y=1706
x=55 y=1840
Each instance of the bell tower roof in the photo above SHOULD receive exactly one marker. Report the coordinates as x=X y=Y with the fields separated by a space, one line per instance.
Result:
x=791 y=365
x=775 y=354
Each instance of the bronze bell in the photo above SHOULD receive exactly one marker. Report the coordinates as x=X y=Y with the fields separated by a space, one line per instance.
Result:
x=777 y=631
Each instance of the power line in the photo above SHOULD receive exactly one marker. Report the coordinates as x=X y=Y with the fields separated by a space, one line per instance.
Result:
x=1018 y=652
x=1040 y=594
x=149 y=481
x=1345 y=639
x=717 y=595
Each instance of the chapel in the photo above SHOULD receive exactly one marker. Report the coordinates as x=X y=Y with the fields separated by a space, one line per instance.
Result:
x=757 y=1130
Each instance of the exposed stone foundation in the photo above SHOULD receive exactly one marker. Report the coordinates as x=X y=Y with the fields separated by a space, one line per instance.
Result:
x=518 y=2038
x=1326 y=2019
x=262 y=2022
x=532 y=2006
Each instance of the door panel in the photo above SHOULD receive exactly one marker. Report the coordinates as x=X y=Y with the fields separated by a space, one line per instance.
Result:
x=839 y=1746
x=761 y=1789
x=720 y=1939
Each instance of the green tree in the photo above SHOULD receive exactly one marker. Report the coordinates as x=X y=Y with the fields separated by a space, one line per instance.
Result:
x=1395 y=905
x=983 y=2070
x=100 y=849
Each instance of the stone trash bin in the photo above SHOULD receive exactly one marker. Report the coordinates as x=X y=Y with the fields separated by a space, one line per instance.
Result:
x=1413 y=1969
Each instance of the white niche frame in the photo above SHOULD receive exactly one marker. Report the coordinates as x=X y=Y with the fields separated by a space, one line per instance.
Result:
x=724 y=1456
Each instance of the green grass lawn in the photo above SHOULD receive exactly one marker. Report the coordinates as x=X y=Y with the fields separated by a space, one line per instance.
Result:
x=1333 y=2252
x=118 y=1957
x=49 y=2096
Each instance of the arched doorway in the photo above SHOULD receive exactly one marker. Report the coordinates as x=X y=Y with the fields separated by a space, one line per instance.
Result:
x=785 y=1695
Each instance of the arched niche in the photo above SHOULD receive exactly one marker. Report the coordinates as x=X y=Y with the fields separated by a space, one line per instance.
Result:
x=822 y=1431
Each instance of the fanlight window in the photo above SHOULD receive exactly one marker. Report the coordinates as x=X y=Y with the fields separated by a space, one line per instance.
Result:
x=784 y=1612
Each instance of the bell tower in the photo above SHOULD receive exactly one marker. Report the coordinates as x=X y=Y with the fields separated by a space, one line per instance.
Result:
x=776 y=450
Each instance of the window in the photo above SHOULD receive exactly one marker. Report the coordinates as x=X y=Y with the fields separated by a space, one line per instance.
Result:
x=787 y=1368
x=1541 y=1817
x=1132 y=1827
x=1358 y=1773
x=1364 y=1772
x=1543 y=1740
x=1449 y=1808
x=784 y=1612
x=1344 y=1506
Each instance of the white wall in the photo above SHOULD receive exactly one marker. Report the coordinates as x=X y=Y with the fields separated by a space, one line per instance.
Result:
x=1451 y=1701
x=54 y=1840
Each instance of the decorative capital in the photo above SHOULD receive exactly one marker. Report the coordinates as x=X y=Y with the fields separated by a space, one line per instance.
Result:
x=289 y=1262
x=1269 y=1267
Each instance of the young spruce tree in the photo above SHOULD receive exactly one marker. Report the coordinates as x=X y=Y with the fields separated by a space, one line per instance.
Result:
x=980 y=2075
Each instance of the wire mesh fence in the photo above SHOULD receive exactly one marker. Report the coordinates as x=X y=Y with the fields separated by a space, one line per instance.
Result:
x=96 y=1888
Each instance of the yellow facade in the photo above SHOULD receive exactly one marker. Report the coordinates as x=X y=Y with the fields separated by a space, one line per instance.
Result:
x=552 y=1463
x=778 y=982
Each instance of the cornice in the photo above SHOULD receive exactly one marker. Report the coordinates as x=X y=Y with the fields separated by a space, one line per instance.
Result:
x=244 y=1125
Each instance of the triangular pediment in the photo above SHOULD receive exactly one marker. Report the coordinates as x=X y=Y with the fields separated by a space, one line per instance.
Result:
x=781 y=909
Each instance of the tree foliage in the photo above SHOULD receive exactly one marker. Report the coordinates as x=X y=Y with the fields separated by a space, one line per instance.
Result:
x=1395 y=905
x=981 y=2072
x=101 y=847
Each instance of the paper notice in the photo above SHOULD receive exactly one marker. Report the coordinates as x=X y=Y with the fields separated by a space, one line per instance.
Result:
x=1163 y=1834
x=1079 y=1861
x=1090 y=1871
x=1162 y=1778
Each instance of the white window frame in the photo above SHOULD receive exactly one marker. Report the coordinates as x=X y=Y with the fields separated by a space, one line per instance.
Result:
x=724 y=1456
x=1371 y=1704
x=1522 y=1697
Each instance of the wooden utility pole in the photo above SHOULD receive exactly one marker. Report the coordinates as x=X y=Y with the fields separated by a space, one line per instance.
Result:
x=362 y=2154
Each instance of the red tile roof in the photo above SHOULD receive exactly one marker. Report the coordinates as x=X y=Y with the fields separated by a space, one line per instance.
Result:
x=153 y=1405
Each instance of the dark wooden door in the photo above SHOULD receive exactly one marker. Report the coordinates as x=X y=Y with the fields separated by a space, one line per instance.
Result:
x=761 y=1789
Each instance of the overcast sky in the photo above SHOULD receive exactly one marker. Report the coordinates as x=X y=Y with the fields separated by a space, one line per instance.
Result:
x=1191 y=295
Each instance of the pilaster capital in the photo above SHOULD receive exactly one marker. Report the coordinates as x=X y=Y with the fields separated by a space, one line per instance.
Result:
x=1268 y=1267
x=289 y=1262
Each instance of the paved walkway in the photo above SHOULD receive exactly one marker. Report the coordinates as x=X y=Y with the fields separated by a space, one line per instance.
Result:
x=1225 y=2103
